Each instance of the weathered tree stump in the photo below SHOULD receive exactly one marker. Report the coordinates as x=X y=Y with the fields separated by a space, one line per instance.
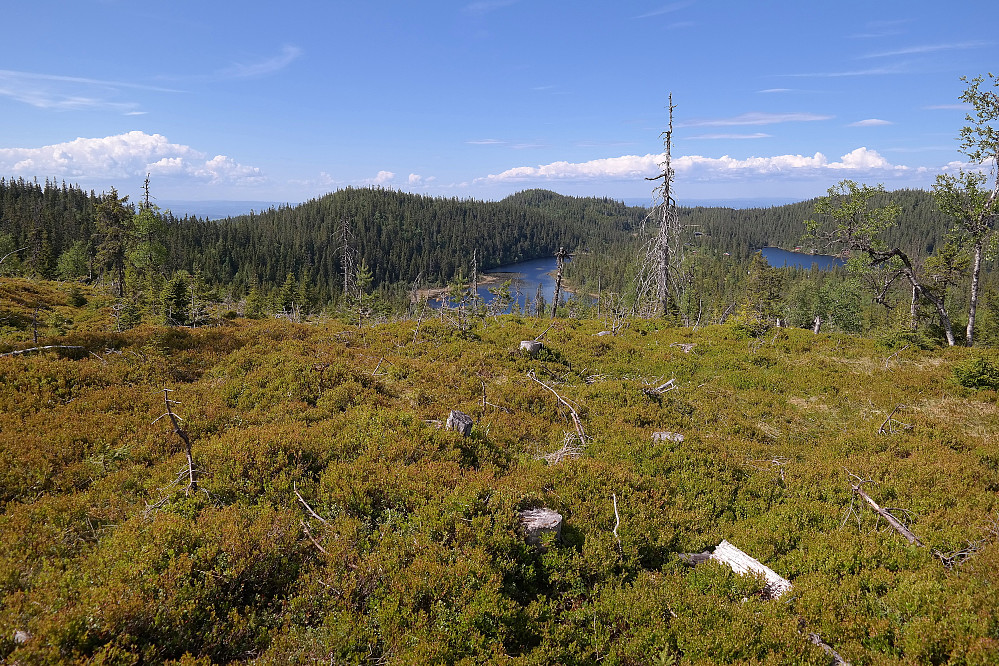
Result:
x=606 y=333
x=531 y=347
x=667 y=437
x=538 y=522
x=459 y=422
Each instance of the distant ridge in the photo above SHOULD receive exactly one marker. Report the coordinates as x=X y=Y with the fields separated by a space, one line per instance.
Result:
x=751 y=202
x=217 y=209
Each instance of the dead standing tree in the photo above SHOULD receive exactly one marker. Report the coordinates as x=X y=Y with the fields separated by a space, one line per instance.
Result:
x=660 y=280
x=560 y=263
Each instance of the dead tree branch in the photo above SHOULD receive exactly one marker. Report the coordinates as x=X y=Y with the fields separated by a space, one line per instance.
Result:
x=857 y=483
x=191 y=472
x=575 y=416
x=890 y=425
x=34 y=349
x=617 y=523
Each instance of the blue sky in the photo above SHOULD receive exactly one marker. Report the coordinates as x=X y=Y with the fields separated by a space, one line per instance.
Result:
x=287 y=101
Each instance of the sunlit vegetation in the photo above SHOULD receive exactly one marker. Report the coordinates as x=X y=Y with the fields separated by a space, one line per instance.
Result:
x=335 y=521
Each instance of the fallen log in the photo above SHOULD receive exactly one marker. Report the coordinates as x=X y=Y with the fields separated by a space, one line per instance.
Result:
x=741 y=563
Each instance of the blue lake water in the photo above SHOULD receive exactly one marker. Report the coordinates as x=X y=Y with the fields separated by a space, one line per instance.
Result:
x=524 y=278
x=779 y=258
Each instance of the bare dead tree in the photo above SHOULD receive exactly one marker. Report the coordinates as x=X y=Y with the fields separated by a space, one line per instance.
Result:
x=348 y=256
x=660 y=282
x=560 y=263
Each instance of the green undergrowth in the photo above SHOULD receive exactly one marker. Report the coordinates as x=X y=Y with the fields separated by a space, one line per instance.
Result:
x=413 y=553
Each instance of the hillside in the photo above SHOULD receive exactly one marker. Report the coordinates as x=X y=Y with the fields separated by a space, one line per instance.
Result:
x=335 y=521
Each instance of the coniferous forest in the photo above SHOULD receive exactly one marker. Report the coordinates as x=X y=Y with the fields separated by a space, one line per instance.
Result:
x=250 y=440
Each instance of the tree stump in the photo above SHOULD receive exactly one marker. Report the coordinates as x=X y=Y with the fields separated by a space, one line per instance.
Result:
x=538 y=522
x=531 y=347
x=459 y=422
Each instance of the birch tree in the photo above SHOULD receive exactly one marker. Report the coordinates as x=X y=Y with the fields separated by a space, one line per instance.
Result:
x=970 y=197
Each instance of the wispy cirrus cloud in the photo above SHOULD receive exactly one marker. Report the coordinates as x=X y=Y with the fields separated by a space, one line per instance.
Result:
x=72 y=93
x=756 y=118
x=929 y=48
x=870 y=122
x=900 y=68
x=486 y=6
x=756 y=135
x=128 y=155
x=259 y=68
x=667 y=9
x=861 y=162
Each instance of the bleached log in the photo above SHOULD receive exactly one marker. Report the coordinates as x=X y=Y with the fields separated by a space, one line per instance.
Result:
x=538 y=522
x=532 y=347
x=606 y=333
x=741 y=563
x=667 y=437
x=459 y=422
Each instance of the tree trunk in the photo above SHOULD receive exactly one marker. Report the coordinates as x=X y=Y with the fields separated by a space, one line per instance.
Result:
x=976 y=269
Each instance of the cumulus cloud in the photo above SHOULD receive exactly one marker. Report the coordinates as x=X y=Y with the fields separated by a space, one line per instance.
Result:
x=382 y=178
x=862 y=161
x=125 y=156
x=870 y=122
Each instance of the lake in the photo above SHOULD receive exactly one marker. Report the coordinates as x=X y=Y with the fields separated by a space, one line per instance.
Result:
x=524 y=277
x=779 y=258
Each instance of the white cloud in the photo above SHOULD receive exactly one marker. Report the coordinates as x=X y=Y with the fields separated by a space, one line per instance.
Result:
x=69 y=93
x=668 y=9
x=696 y=167
x=870 y=122
x=382 y=178
x=756 y=135
x=121 y=156
x=260 y=68
x=486 y=6
x=929 y=48
x=485 y=142
x=756 y=118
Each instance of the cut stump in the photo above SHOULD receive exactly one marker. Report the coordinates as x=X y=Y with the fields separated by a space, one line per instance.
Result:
x=459 y=422
x=531 y=347
x=538 y=522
